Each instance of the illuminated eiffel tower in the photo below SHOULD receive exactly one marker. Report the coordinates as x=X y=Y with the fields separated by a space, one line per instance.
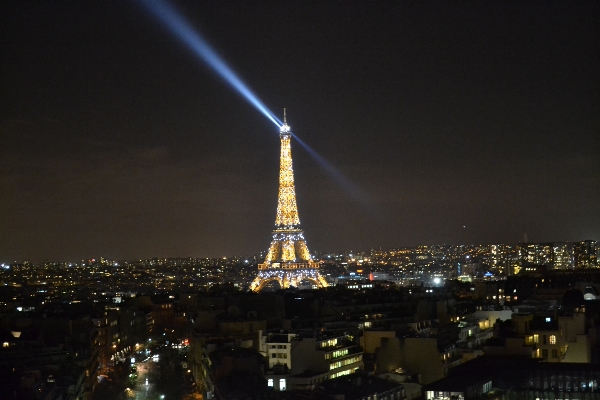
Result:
x=288 y=260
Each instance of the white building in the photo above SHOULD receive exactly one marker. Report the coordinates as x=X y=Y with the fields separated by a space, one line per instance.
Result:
x=303 y=360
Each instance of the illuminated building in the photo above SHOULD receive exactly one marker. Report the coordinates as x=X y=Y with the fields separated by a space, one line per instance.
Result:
x=536 y=253
x=288 y=260
x=498 y=257
x=303 y=360
x=561 y=254
x=553 y=255
x=584 y=254
x=554 y=339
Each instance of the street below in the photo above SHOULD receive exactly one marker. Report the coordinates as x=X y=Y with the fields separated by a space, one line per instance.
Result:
x=158 y=376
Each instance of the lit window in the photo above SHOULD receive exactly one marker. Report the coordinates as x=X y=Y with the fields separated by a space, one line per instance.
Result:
x=487 y=387
x=553 y=339
x=281 y=384
x=270 y=382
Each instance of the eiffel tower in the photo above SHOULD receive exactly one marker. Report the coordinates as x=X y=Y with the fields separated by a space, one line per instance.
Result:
x=288 y=260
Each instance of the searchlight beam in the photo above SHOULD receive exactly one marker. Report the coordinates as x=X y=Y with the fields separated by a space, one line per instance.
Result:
x=186 y=33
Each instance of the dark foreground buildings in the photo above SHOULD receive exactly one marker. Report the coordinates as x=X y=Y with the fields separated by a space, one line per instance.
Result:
x=533 y=335
x=516 y=378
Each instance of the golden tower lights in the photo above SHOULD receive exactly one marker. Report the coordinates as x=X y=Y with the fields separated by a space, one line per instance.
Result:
x=288 y=260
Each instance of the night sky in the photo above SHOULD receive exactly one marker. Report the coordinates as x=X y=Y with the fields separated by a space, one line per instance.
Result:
x=450 y=122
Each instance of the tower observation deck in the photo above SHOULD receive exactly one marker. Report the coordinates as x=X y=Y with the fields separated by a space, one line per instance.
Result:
x=288 y=260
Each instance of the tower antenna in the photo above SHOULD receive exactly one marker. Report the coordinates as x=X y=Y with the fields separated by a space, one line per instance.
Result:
x=284 y=119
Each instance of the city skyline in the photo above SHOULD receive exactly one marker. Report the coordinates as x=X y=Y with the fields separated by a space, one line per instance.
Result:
x=555 y=255
x=454 y=124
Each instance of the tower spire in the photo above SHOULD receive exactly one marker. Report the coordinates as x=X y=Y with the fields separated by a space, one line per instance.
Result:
x=285 y=128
